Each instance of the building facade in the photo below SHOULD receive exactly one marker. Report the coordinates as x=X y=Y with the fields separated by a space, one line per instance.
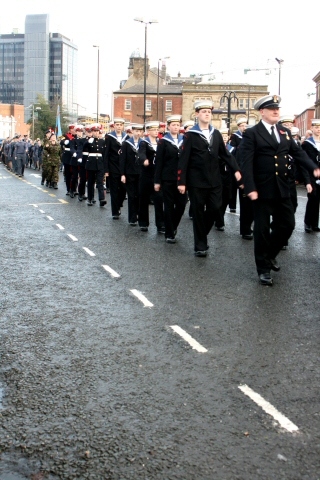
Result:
x=12 y=120
x=316 y=79
x=303 y=120
x=38 y=63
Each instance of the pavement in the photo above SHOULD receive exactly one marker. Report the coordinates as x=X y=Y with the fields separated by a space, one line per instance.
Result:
x=123 y=357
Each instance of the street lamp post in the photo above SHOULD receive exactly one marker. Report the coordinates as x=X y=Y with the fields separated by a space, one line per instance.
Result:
x=229 y=96
x=33 y=109
x=141 y=20
x=98 y=81
x=158 y=84
x=280 y=62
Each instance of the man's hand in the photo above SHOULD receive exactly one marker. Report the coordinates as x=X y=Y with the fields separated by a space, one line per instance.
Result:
x=253 y=195
x=107 y=174
x=123 y=178
x=182 y=189
x=146 y=163
x=237 y=176
x=309 y=187
x=316 y=172
x=157 y=187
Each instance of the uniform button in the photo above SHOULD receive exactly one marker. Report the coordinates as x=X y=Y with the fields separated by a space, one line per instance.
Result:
x=285 y=156
x=286 y=174
x=275 y=156
x=286 y=165
x=276 y=164
x=277 y=173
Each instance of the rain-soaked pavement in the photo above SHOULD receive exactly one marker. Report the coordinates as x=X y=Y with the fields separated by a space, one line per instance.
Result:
x=98 y=379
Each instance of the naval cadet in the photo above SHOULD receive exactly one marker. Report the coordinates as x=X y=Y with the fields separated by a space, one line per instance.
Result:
x=95 y=164
x=68 y=150
x=264 y=158
x=199 y=173
x=165 y=177
x=130 y=171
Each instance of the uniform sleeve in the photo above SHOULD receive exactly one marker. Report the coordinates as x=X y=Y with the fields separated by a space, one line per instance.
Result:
x=122 y=158
x=246 y=154
x=184 y=158
x=302 y=158
x=106 y=154
x=142 y=152
x=161 y=148
x=226 y=156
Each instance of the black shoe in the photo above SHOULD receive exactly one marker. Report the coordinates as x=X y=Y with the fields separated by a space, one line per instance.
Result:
x=247 y=236
x=220 y=229
x=80 y=198
x=84 y=197
x=315 y=229
x=94 y=201
x=68 y=193
x=89 y=202
x=133 y=224
x=285 y=247
x=171 y=240
x=232 y=210
x=307 y=228
x=161 y=230
x=102 y=203
x=274 y=265
x=76 y=193
x=144 y=229
x=47 y=185
x=42 y=183
x=115 y=217
x=71 y=194
x=266 y=279
x=55 y=186
x=201 y=253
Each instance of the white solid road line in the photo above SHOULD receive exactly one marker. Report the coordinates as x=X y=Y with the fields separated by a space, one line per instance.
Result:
x=60 y=226
x=89 y=252
x=194 y=344
x=112 y=272
x=49 y=218
x=269 y=409
x=142 y=298
x=72 y=237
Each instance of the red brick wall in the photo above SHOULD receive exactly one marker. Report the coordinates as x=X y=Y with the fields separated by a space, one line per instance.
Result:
x=303 y=120
x=17 y=111
x=135 y=115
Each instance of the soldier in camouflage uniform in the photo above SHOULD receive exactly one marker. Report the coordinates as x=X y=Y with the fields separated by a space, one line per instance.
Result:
x=51 y=161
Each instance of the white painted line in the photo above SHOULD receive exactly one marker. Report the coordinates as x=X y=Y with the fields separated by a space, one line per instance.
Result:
x=72 y=237
x=49 y=218
x=60 y=226
x=194 y=344
x=142 y=298
x=51 y=195
x=269 y=409
x=34 y=205
x=89 y=252
x=42 y=211
x=62 y=201
x=113 y=273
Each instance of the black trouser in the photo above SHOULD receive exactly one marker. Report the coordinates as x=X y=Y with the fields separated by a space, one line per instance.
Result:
x=95 y=176
x=74 y=178
x=234 y=191
x=204 y=203
x=311 y=218
x=226 y=195
x=146 y=191
x=82 y=180
x=132 y=187
x=246 y=213
x=67 y=176
x=174 y=205
x=117 y=193
x=268 y=243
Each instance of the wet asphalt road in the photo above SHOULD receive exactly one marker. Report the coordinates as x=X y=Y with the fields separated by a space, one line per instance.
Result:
x=95 y=385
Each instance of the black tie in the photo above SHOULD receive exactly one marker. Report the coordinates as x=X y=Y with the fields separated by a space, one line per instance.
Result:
x=273 y=135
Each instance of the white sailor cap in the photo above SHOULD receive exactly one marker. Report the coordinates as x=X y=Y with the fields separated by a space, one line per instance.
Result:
x=128 y=128
x=295 y=131
x=188 y=123
x=286 y=118
x=153 y=124
x=137 y=126
x=225 y=131
x=118 y=120
x=96 y=127
x=315 y=122
x=79 y=128
x=174 y=118
x=242 y=120
x=203 y=104
x=72 y=126
x=269 y=101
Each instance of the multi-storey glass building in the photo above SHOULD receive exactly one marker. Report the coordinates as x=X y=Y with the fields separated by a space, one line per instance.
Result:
x=38 y=62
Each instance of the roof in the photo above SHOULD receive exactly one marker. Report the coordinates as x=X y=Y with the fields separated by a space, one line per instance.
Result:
x=152 y=89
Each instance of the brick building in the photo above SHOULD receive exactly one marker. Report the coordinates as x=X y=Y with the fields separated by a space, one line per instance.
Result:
x=316 y=79
x=12 y=120
x=303 y=120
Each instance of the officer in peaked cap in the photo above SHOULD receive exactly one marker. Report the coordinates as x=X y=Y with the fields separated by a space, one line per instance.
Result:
x=264 y=159
x=199 y=173
x=95 y=164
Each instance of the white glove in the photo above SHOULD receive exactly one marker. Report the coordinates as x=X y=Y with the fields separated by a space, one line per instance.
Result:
x=66 y=142
x=79 y=160
x=91 y=140
x=74 y=155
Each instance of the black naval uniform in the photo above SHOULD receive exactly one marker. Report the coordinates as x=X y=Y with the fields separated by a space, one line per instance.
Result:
x=245 y=204
x=68 y=149
x=146 y=187
x=117 y=189
x=311 y=218
x=95 y=166
x=199 y=171
x=264 y=165
x=131 y=169
x=166 y=167
x=226 y=179
x=82 y=157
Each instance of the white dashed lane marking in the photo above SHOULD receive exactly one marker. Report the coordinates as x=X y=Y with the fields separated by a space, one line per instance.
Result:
x=89 y=252
x=49 y=218
x=60 y=226
x=112 y=272
x=42 y=211
x=142 y=298
x=283 y=421
x=192 y=342
x=72 y=237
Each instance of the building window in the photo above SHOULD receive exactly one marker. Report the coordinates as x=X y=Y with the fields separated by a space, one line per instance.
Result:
x=127 y=104
x=241 y=103
x=148 y=105
x=168 y=105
